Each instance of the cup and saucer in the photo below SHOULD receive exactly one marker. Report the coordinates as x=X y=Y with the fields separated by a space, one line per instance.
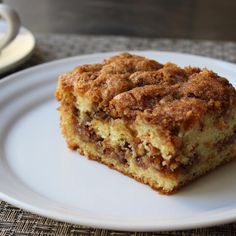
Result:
x=16 y=42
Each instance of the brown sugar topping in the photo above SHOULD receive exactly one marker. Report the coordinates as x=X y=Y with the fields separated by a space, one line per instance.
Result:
x=128 y=85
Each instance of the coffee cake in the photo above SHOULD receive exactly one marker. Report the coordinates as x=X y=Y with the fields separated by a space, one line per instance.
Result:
x=160 y=124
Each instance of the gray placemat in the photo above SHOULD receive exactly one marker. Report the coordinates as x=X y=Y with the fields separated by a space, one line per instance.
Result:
x=59 y=46
x=14 y=221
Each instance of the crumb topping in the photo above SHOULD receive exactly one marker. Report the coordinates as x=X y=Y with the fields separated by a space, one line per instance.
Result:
x=128 y=86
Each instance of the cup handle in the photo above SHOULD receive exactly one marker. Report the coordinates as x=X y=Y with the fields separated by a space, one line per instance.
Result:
x=13 y=24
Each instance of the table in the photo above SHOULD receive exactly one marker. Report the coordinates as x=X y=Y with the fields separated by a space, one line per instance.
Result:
x=15 y=221
x=205 y=19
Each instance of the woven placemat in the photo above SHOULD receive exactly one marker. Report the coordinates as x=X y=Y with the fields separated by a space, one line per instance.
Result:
x=15 y=221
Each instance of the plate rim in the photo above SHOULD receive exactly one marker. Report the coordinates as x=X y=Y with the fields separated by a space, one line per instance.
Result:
x=108 y=53
x=125 y=227
x=218 y=218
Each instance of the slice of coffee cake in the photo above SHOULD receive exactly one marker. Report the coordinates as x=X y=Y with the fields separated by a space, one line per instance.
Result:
x=160 y=124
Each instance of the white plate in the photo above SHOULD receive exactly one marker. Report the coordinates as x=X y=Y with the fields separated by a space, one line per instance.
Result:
x=18 y=51
x=40 y=174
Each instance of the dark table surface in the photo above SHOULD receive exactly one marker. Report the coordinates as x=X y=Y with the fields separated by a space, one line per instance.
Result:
x=15 y=221
x=202 y=19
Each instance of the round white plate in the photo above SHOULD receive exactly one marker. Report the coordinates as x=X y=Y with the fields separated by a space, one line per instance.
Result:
x=18 y=51
x=40 y=174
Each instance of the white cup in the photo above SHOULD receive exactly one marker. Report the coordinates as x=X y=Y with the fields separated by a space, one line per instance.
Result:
x=13 y=25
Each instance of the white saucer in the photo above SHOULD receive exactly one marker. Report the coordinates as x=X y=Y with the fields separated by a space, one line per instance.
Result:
x=18 y=51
